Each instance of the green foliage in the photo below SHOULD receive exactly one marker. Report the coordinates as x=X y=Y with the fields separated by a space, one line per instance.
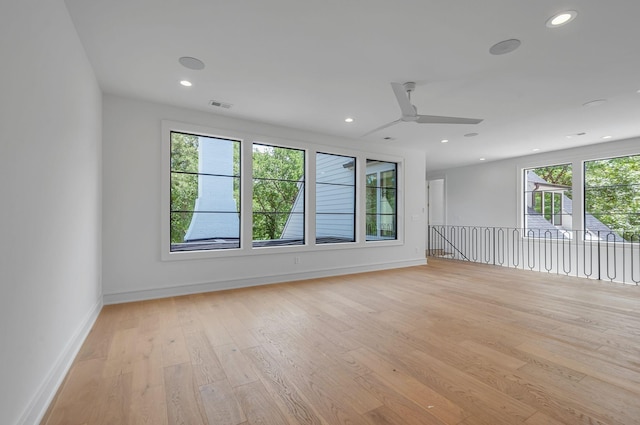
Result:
x=612 y=193
x=276 y=182
x=184 y=187
x=555 y=174
x=277 y=173
x=549 y=202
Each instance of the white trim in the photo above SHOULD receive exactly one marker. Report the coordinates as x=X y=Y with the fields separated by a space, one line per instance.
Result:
x=39 y=404
x=310 y=149
x=197 y=288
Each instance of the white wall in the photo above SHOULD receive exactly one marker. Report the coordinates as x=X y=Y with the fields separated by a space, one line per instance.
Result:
x=132 y=265
x=50 y=132
x=489 y=194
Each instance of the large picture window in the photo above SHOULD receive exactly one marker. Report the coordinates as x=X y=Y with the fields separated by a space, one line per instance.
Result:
x=205 y=193
x=548 y=199
x=211 y=209
x=335 y=198
x=381 y=203
x=612 y=197
x=278 y=196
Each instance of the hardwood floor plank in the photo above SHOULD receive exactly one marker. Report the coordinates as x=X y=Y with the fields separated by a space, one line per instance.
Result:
x=492 y=355
x=384 y=416
x=475 y=396
x=339 y=381
x=446 y=343
x=79 y=397
x=174 y=348
x=542 y=419
x=589 y=365
x=244 y=339
x=204 y=362
x=184 y=405
x=257 y=404
x=215 y=331
x=274 y=378
x=148 y=406
x=221 y=405
x=99 y=339
x=121 y=352
x=326 y=398
x=147 y=370
x=116 y=399
x=407 y=386
x=237 y=368
x=410 y=412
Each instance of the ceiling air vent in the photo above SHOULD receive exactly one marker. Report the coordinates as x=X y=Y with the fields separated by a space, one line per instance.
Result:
x=218 y=104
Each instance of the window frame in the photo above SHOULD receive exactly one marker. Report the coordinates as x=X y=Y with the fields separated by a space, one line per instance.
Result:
x=305 y=166
x=354 y=213
x=247 y=139
x=584 y=188
x=524 y=193
x=198 y=174
x=577 y=159
x=379 y=198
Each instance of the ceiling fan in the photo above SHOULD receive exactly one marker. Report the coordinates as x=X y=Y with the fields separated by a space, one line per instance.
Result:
x=410 y=112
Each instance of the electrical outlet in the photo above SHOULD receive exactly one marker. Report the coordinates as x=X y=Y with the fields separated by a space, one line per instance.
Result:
x=296 y=260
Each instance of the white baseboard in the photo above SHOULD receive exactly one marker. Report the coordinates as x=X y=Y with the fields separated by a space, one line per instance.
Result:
x=39 y=404
x=149 y=294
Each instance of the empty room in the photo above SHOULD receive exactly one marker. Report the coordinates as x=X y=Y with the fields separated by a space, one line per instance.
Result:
x=295 y=212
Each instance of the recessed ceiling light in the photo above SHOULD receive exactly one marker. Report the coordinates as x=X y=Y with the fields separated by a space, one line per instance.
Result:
x=444 y=141
x=348 y=119
x=506 y=46
x=186 y=83
x=596 y=102
x=607 y=137
x=561 y=18
x=191 y=63
x=535 y=149
x=482 y=159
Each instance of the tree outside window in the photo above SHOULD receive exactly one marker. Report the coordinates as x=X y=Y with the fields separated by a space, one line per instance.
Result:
x=612 y=194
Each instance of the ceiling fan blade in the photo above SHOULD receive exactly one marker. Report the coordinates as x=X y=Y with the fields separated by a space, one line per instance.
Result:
x=403 y=100
x=382 y=127
x=434 y=119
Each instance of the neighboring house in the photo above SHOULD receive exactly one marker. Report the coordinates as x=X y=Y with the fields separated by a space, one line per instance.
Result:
x=560 y=219
x=335 y=202
x=335 y=199
x=215 y=195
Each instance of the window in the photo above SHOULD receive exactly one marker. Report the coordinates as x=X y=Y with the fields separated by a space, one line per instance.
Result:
x=335 y=198
x=278 y=196
x=612 y=196
x=210 y=209
x=547 y=198
x=205 y=193
x=381 y=203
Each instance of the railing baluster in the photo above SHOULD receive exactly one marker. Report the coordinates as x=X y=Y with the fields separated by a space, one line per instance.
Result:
x=548 y=257
x=542 y=250
x=516 y=247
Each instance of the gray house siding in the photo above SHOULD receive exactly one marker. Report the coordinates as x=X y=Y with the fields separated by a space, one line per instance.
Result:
x=335 y=200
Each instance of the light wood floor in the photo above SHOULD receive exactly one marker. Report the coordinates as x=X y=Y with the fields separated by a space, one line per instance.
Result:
x=446 y=343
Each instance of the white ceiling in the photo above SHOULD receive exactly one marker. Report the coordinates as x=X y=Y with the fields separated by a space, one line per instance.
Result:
x=309 y=64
